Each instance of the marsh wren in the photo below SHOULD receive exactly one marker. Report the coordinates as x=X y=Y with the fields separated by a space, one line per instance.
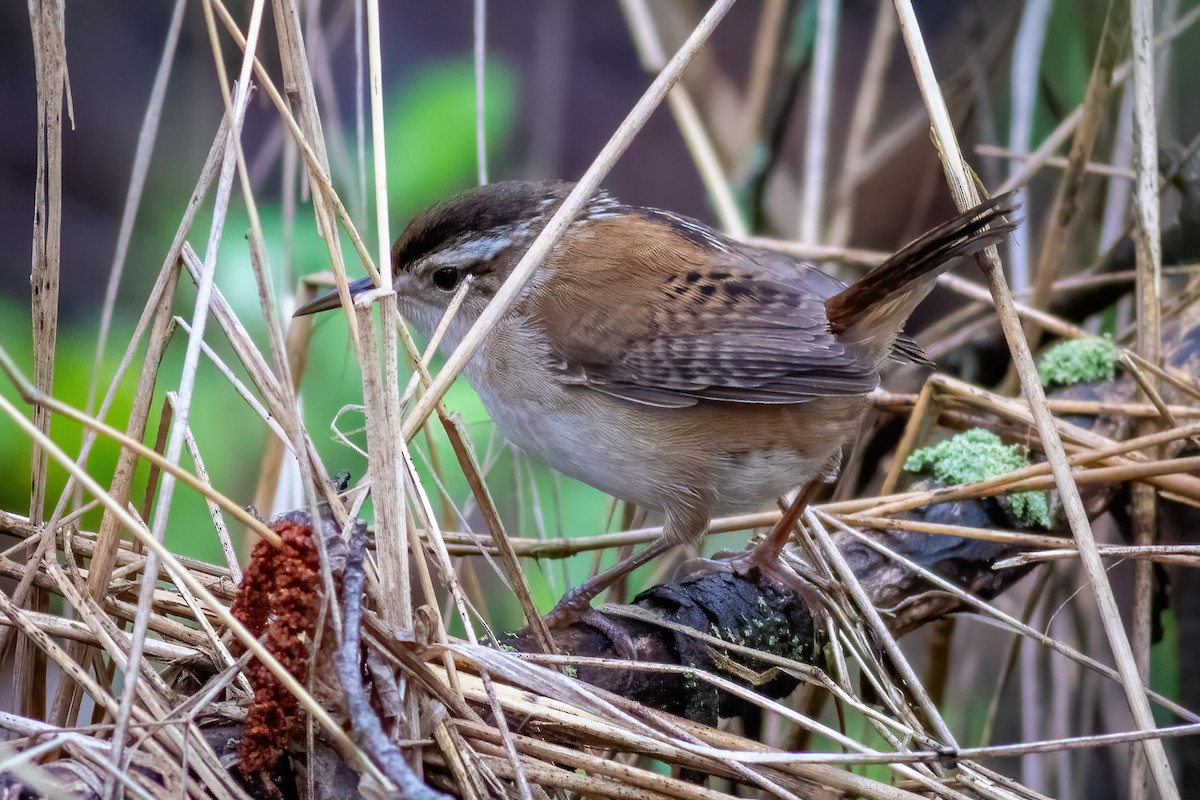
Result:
x=660 y=361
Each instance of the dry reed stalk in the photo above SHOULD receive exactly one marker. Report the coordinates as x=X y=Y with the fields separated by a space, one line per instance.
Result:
x=866 y=110
x=147 y=137
x=182 y=406
x=1056 y=235
x=1148 y=244
x=816 y=140
x=699 y=141
x=50 y=60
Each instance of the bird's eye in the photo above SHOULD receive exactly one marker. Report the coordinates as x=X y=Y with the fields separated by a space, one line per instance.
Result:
x=446 y=279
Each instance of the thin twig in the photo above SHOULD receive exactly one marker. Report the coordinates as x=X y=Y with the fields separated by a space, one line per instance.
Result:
x=480 y=56
x=1057 y=162
x=1148 y=244
x=214 y=511
x=363 y=718
x=1184 y=555
x=696 y=136
x=820 y=105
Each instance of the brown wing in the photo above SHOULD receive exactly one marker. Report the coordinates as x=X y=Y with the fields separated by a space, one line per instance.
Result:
x=672 y=326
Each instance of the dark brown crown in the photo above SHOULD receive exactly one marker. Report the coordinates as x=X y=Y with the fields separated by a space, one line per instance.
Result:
x=496 y=207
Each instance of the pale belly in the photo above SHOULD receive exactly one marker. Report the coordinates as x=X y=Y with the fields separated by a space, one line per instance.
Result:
x=723 y=457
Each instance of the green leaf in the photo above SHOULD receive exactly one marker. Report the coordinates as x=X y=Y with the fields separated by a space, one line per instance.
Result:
x=431 y=131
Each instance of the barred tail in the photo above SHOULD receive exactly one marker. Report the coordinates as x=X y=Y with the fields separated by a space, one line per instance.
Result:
x=880 y=302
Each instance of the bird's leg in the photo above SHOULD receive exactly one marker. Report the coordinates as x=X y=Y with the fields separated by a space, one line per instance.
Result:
x=766 y=555
x=576 y=604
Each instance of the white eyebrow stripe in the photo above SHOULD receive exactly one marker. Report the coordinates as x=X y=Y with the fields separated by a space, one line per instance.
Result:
x=472 y=250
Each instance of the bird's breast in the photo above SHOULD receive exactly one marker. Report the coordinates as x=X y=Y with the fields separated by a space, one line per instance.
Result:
x=729 y=457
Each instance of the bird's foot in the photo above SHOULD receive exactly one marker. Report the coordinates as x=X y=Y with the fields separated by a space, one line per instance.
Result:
x=743 y=563
x=765 y=557
x=760 y=567
x=572 y=608
x=576 y=607
x=765 y=560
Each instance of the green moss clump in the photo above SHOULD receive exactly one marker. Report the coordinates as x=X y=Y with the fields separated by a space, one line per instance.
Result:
x=1079 y=361
x=977 y=455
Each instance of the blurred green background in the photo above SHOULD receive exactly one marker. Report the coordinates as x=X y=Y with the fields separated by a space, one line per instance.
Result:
x=432 y=112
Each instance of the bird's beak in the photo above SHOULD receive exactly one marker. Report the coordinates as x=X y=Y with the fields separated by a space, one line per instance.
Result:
x=330 y=299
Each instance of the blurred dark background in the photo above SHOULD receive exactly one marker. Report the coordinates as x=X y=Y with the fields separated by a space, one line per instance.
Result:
x=562 y=75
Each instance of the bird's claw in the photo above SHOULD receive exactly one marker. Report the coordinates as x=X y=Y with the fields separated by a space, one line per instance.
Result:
x=576 y=607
